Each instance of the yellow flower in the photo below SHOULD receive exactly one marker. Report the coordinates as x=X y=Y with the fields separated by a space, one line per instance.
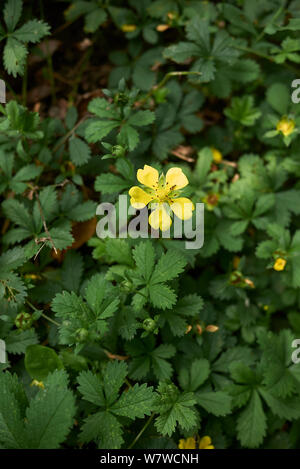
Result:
x=217 y=155
x=286 y=126
x=279 y=264
x=161 y=192
x=128 y=28
x=189 y=443
x=205 y=443
x=40 y=384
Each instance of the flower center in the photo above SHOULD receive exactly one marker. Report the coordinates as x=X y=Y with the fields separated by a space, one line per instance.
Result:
x=161 y=193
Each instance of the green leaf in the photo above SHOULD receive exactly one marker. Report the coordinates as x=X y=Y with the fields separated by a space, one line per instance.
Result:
x=135 y=403
x=91 y=388
x=80 y=152
x=192 y=378
x=12 y=399
x=110 y=184
x=12 y=259
x=14 y=57
x=104 y=428
x=32 y=31
x=113 y=379
x=144 y=257
x=98 y=129
x=179 y=411
x=162 y=296
x=17 y=212
x=251 y=423
x=215 y=402
x=181 y=52
x=40 y=361
x=50 y=413
x=278 y=96
x=285 y=408
x=12 y=13
x=141 y=118
x=169 y=266
x=72 y=271
x=17 y=341
x=83 y=212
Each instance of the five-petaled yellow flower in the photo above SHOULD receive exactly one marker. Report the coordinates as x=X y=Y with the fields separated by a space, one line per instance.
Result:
x=191 y=443
x=162 y=194
x=285 y=126
x=217 y=155
x=279 y=264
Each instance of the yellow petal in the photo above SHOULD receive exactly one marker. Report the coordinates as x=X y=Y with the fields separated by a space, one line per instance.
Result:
x=176 y=179
x=205 y=442
x=181 y=444
x=139 y=198
x=183 y=208
x=159 y=218
x=148 y=176
x=279 y=264
x=190 y=443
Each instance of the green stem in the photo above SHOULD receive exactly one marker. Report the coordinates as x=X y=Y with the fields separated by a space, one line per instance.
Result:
x=65 y=138
x=42 y=314
x=276 y=14
x=165 y=79
x=142 y=431
x=51 y=320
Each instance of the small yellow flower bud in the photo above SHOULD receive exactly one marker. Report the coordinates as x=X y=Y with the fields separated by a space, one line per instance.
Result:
x=199 y=329
x=279 y=264
x=162 y=27
x=217 y=155
x=286 y=126
x=249 y=282
x=188 y=329
x=211 y=328
x=128 y=28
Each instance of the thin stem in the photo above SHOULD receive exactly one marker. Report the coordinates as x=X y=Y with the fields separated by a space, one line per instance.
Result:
x=164 y=81
x=65 y=138
x=276 y=14
x=35 y=190
x=42 y=314
x=49 y=319
x=142 y=431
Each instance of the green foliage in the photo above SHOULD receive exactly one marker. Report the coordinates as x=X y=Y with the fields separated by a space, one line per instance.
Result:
x=44 y=421
x=15 y=50
x=131 y=342
x=104 y=392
